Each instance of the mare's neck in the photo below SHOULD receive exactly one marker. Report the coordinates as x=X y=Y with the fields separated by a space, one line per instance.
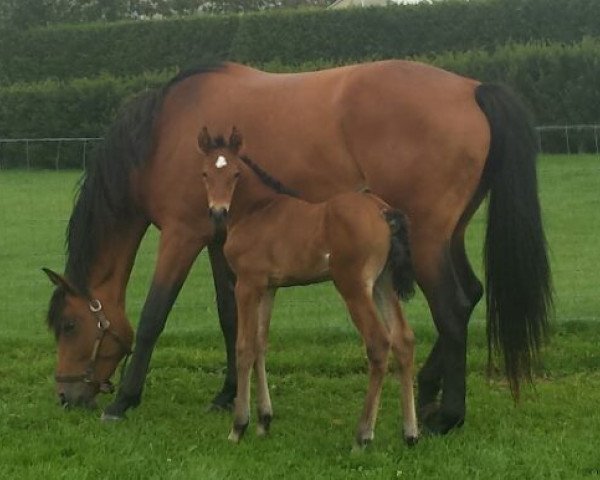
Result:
x=112 y=266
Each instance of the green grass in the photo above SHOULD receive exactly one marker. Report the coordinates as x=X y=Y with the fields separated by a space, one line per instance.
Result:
x=316 y=366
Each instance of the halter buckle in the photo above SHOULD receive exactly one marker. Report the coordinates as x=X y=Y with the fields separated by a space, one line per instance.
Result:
x=95 y=305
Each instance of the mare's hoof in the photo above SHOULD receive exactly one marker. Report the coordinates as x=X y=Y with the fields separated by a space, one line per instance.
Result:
x=223 y=402
x=411 y=441
x=439 y=423
x=218 y=407
x=109 y=418
x=427 y=410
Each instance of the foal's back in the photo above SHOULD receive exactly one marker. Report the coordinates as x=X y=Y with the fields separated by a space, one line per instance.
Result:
x=290 y=241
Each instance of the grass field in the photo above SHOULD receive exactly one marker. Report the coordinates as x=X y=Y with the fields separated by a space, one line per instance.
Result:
x=316 y=365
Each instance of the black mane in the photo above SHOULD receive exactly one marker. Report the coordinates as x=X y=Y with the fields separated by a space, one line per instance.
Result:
x=268 y=180
x=103 y=199
x=57 y=304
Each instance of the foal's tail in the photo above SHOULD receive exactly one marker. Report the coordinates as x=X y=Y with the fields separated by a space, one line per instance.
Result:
x=399 y=258
x=518 y=279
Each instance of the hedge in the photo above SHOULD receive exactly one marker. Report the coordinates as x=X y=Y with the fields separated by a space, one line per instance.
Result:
x=559 y=82
x=291 y=37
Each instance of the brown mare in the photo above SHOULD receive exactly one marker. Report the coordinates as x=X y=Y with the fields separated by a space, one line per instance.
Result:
x=428 y=142
x=277 y=240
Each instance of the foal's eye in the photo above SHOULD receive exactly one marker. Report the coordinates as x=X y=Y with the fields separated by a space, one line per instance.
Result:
x=236 y=174
x=204 y=174
x=68 y=327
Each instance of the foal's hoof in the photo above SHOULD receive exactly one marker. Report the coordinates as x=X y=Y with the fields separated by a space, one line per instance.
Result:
x=362 y=442
x=264 y=424
x=411 y=441
x=237 y=432
x=360 y=447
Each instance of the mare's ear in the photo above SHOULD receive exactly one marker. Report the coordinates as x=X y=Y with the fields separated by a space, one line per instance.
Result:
x=235 y=140
x=59 y=281
x=204 y=141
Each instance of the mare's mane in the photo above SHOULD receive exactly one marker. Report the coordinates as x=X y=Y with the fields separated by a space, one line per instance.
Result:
x=219 y=142
x=103 y=198
x=268 y=179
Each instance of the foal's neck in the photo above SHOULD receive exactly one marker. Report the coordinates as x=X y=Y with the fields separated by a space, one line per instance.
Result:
x=251 y=195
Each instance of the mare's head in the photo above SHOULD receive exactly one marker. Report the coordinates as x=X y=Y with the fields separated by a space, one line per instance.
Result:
x=92 y=339
x=220 y=170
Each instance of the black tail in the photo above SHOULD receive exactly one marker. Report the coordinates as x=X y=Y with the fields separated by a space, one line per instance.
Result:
x=399 y=258
x=518 y=279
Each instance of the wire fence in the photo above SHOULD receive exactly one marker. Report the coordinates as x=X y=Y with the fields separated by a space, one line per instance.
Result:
x=582 y=138
x=73 y=153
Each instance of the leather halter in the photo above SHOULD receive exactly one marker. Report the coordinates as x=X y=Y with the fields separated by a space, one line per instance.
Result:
x=103 y=328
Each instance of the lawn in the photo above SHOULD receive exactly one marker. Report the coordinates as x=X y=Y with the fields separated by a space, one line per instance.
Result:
x=316 y=365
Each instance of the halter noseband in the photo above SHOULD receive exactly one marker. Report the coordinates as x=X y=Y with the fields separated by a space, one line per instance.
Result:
x=103 y=328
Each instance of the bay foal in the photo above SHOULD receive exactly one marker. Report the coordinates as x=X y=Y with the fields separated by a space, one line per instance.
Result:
x=275 y=239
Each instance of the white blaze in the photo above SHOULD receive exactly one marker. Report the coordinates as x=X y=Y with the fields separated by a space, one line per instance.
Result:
x=221 y=162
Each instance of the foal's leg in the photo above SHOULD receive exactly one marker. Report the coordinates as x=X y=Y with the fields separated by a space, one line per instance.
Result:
x=248 y=297
x=359 y=300
x=403 y=346
x=265 y=410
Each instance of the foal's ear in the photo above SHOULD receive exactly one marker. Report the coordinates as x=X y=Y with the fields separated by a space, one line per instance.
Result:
x=59 y=281
x=235 y=140
x=204 y=141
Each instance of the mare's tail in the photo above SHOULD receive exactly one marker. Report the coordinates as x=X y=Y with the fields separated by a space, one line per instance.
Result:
x=518 y=279
x=399 y=258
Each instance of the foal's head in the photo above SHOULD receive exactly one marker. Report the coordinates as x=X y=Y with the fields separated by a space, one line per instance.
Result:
x=92 y=339
x=220 y=170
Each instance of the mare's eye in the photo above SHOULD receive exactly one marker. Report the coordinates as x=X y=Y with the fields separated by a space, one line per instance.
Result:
x=204 y=174
x=236 y=174
x=68 y=327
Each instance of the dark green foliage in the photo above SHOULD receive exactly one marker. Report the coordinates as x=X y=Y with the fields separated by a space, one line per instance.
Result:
x=118 y=49
x=69 y=80
x=130 y=48
x=557 y=81
x=81 y=108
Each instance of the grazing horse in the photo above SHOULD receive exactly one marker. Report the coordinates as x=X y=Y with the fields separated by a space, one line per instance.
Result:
x=427 y=141
x=278 y=240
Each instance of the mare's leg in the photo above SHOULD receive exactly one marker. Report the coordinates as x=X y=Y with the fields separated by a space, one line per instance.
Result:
x=403 y=347
x=469 y=282
x=359 y=300
x=265 y=410
x=248 y=297
x=224 y=280
x=451 y=309
x=469 y=292
x=178 y=249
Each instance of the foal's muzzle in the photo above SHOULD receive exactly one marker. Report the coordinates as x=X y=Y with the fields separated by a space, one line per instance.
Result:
x=218 y=214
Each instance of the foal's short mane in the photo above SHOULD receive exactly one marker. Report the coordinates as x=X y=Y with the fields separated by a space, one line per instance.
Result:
x=104 y=200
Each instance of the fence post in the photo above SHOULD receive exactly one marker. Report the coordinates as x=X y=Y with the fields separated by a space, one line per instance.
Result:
x=58 y=155
x=567 y=135
x=84 y=147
